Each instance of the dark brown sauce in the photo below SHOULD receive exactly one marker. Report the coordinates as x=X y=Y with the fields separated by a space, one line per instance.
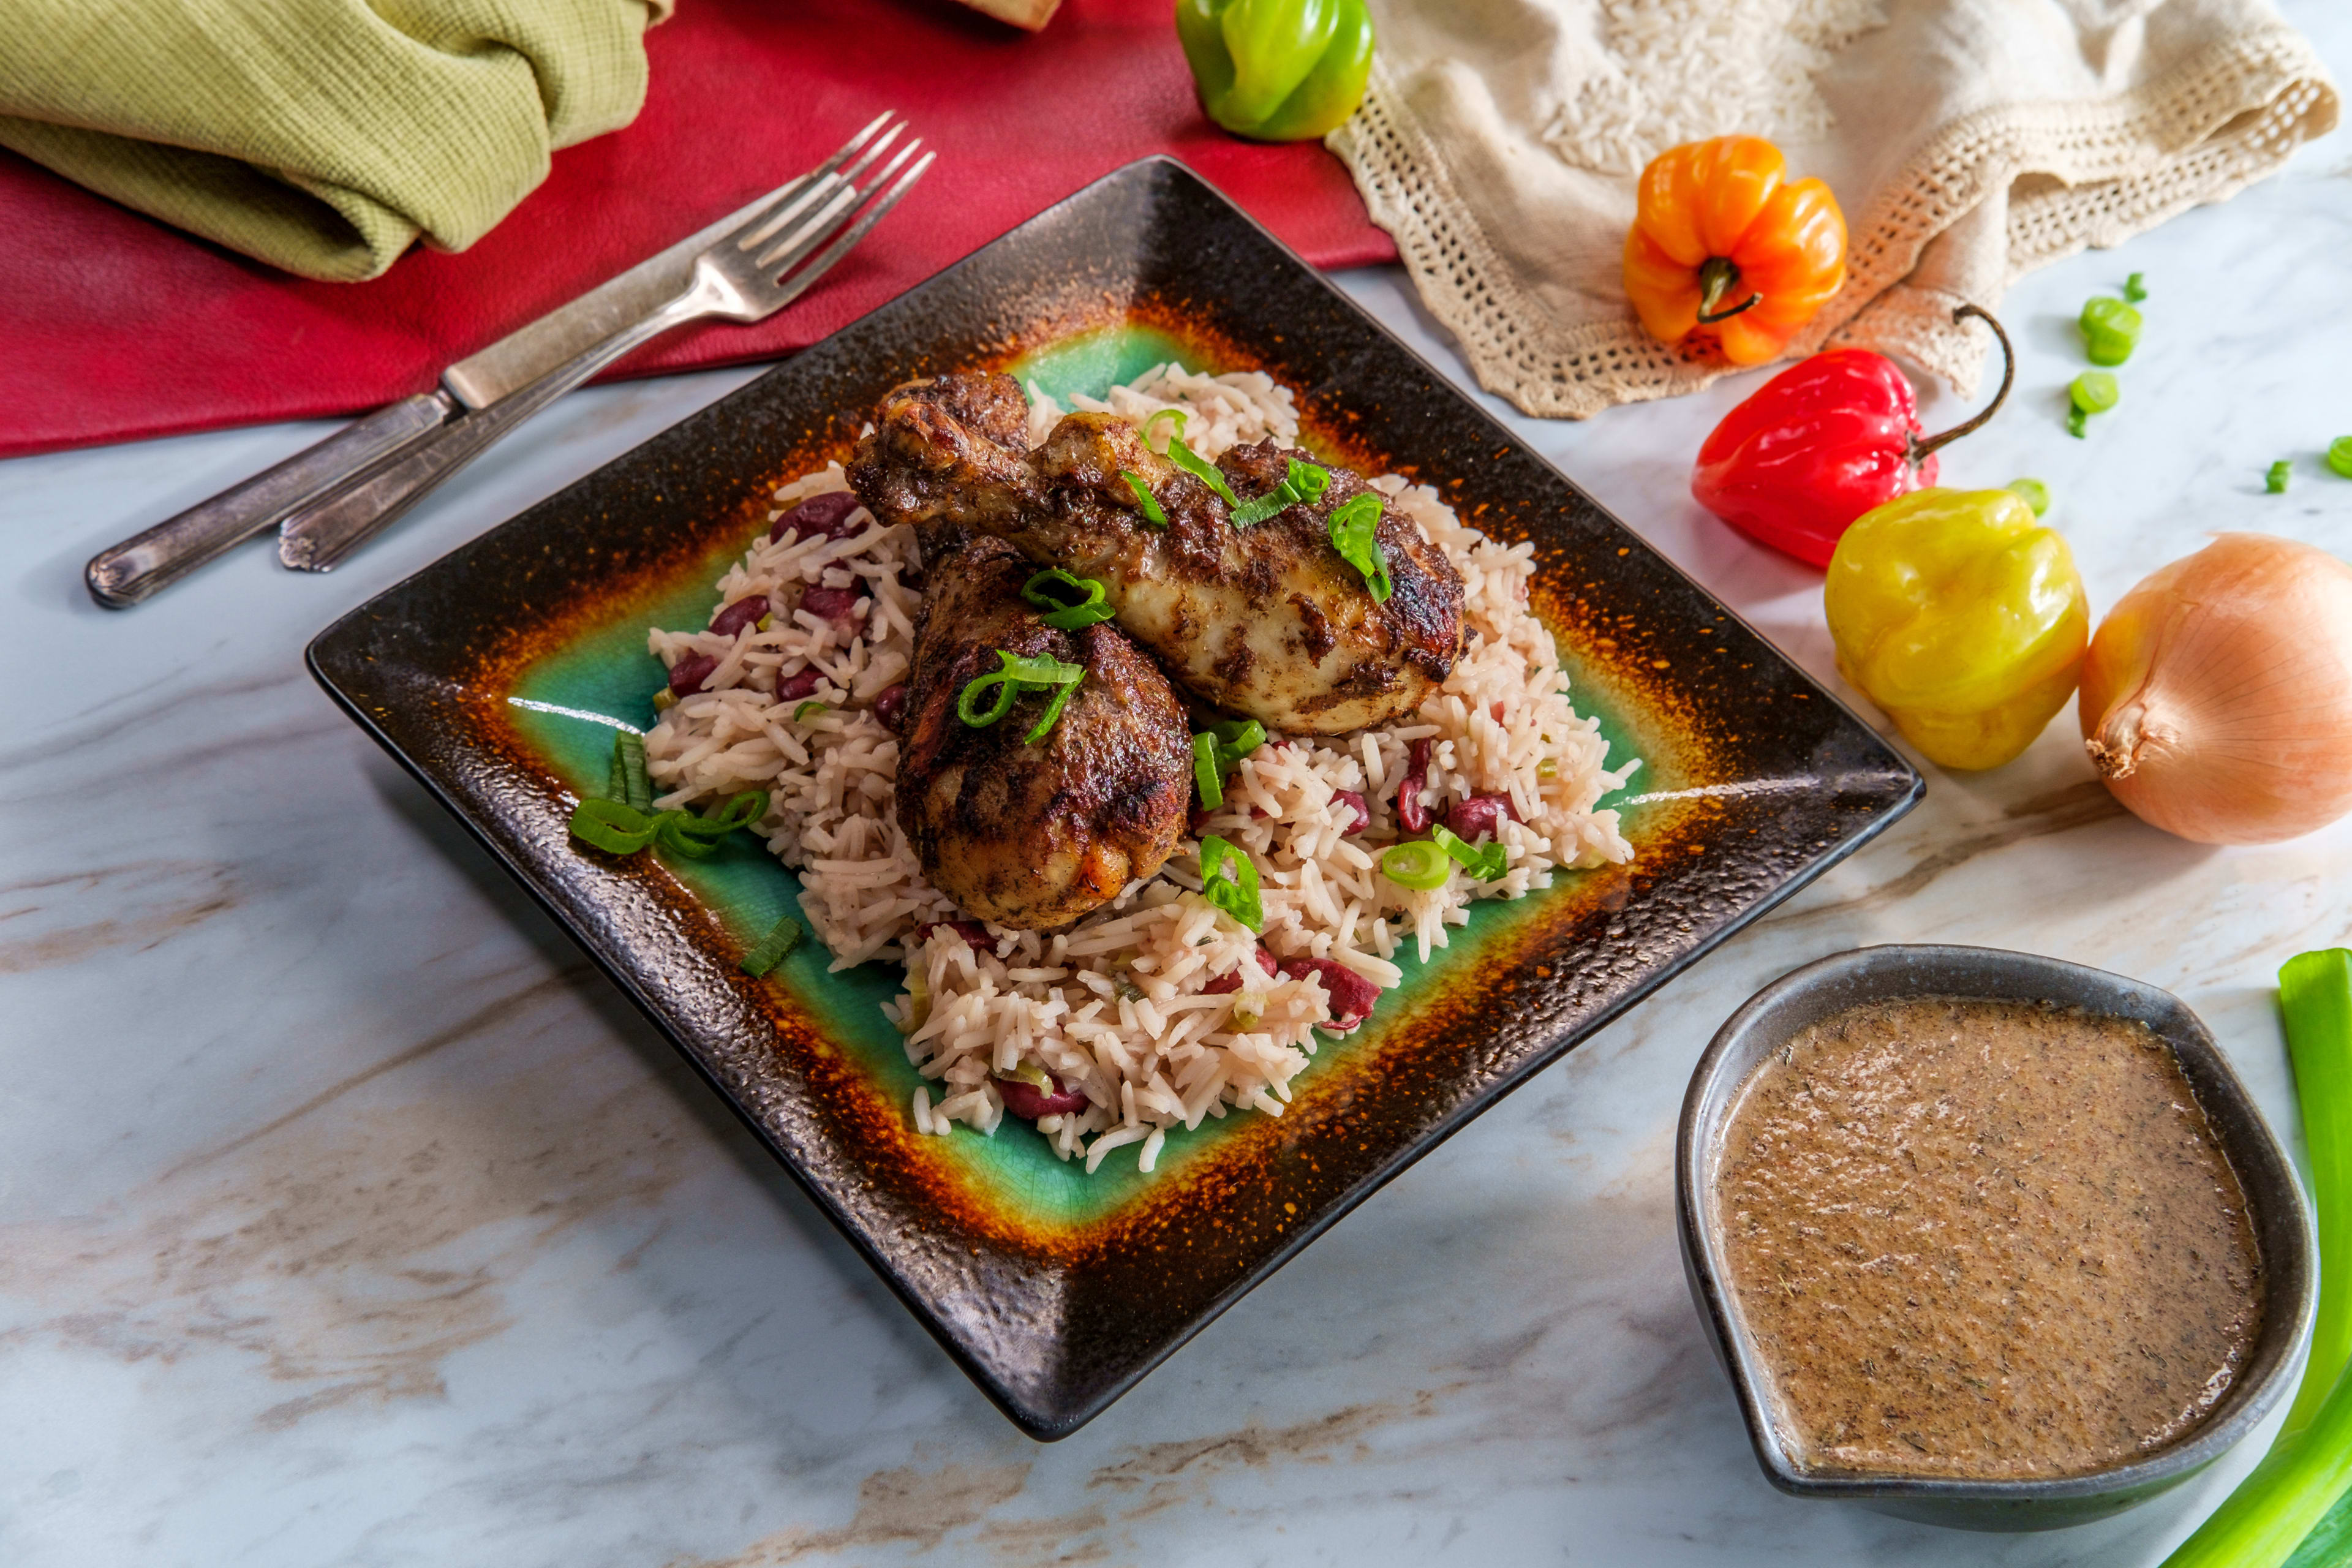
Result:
x=1985 y=1240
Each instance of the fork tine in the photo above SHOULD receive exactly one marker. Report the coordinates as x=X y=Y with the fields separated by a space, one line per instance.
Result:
x=880 y=147
x=856 y=231
x=790 y=198
x=812 y=232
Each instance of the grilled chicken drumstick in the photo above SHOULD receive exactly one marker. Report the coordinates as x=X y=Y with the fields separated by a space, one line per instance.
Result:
x=1269 y=621
x=1034 y=835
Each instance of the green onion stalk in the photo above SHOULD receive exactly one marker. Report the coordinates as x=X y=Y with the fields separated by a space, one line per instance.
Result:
x=2309 y=1467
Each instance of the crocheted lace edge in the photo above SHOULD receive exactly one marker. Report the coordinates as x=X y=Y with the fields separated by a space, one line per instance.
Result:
x=2202 y=132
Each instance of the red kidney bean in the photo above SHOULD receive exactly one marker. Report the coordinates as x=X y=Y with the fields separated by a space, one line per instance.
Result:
x=1412 y=815
x=1354 y=801
x=826 y=515
x=1027 y=1101
x=1497 y=709
x=972 y=932
x=1481 y=814
x=799 y=684
x=687 y=676
x=890 y=707
x=1352 y=994
x=738 y=614
x=1233 y=982
x=839 y=606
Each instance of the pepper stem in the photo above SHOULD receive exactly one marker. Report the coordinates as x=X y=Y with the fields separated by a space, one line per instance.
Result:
x=1715 y=279
x=1921 y=449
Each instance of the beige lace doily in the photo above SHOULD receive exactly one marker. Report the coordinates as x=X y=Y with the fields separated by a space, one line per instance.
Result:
x=1968 y=140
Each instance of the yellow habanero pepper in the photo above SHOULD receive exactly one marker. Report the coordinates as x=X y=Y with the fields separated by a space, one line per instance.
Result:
x=1962 y=617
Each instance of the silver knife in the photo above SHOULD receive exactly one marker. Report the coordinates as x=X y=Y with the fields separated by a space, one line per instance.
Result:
x=151 y=561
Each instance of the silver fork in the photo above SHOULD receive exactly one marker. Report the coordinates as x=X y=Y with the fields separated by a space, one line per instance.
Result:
x=748 y=276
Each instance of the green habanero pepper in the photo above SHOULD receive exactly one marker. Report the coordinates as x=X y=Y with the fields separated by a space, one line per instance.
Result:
x=1277 y=71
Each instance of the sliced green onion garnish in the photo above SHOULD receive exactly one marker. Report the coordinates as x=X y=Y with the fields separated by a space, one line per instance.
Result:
x=629 y=752
x=1238 y=737
x=806 y=711
x=2339 y=456
x=1018 y=676
x=2077 y=422
x=1354 y=529
x=1072 y=601
x=1304 y=483
x=1208 y=771
x=782 y=938
x=1488 y=862
x=2275 y=479
x=1417 y=864
x=1201 y=469
x=612 y=824
x=2036 y=493
x=1175 y=414
x=1052 y=711
x=741 y=811
x=623 y=829
x=1152 y=512
x=665 y=698
x=2133 y=289
x=764 y=622
x=1229 y=880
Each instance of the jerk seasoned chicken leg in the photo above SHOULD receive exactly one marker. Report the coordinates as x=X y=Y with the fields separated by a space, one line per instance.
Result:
x=1270 y=620
x=1034 y=836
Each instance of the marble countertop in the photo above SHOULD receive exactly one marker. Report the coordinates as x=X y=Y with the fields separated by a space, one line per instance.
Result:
x=347 y=1216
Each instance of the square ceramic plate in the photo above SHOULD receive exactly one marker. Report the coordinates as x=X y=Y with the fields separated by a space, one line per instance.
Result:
x=496 y=675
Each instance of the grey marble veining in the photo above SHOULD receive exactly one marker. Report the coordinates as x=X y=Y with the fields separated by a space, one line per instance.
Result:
x=347 y=1217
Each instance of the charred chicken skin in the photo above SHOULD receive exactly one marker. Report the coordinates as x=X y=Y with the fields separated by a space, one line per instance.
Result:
x=1268 y=621
x=1034 y=836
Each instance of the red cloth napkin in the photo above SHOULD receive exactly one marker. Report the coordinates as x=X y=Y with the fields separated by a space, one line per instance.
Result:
x=114 y=326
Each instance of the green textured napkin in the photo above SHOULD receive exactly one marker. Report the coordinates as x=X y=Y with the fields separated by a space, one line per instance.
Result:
x=322 y=136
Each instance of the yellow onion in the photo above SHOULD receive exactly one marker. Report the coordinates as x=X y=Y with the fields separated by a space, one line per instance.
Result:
x=2217 y=698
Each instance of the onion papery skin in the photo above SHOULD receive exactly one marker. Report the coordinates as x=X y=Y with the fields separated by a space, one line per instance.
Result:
x=2217 y=695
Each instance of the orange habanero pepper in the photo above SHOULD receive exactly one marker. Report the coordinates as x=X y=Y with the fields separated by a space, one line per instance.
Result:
x=1719 y=246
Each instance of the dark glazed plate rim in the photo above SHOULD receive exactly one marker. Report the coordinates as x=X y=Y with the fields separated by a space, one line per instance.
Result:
x=409 y=667
x=2282 y=1221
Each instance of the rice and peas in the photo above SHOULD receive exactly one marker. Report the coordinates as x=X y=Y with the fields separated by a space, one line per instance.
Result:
x=1160 y=1007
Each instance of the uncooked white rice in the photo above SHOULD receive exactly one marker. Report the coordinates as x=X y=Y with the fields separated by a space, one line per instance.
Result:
x=1117 y=1004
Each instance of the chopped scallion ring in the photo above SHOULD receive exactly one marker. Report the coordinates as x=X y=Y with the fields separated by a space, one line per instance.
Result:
x=1052 y=711
x=1355 y=529
x=612 y=825
x=1053 y=589
x=1201 y=469
x=1304 y=483
x=1019 y=676
x=1229 y=880
x=1176 y=415
x=1417 y=864
x=629 y=753
x=807 y=711
x=2274 y=482
x=1208 y=771
x=2133 y=289
x=782 y=938
x=1153 y=513
x=1488 y=862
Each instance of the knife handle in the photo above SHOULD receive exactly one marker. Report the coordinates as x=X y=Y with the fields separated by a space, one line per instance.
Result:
x=146 y=563
x=321 y=532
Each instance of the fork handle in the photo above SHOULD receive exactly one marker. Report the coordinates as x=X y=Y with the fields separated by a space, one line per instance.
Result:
x=319 y=535
x=147 y=563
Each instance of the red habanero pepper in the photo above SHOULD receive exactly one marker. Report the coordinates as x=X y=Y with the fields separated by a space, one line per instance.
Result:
x=1821 y=443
